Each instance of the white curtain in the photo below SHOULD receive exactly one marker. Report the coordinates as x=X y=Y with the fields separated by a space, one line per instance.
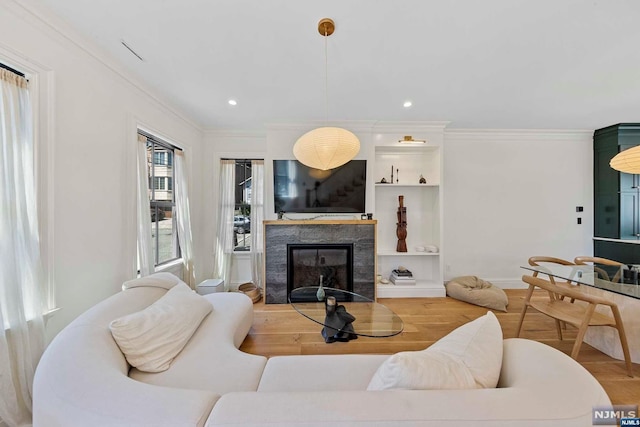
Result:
x=224 y=236
x=257 y=216
x=145 y=242
x=21 y=302
x=184 y=218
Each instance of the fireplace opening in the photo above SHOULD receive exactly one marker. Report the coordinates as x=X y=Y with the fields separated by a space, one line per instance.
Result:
x=306 y=263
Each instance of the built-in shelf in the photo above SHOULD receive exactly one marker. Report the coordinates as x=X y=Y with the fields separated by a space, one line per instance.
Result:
x=379 y=184
x=410 y=253
x=402 y=166
x=422 y=288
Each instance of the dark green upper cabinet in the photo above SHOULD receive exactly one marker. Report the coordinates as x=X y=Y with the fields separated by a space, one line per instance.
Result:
x=616 y=194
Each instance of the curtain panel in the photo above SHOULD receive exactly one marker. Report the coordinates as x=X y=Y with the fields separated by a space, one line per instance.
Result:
x=224 y=236
x=21 y=279
x=145 y=239
x=183 y=219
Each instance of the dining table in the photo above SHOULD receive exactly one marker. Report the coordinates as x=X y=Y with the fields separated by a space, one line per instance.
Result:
x=619 y=284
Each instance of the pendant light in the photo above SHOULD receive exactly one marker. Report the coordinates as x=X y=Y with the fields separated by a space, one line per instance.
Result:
x=627 y=161
x=326 y=148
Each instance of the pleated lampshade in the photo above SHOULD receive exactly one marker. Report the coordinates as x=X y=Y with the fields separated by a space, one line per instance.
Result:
x=627 y=161
x=326 y=148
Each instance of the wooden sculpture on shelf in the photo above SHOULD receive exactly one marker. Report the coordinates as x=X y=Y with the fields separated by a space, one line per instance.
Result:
x=401 y=229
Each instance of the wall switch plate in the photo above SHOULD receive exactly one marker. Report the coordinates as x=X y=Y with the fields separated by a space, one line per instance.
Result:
x=579 y=209
x=579 y=220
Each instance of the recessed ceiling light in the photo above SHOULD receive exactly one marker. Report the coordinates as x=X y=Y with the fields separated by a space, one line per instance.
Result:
x=233 y=102
x=407 y=104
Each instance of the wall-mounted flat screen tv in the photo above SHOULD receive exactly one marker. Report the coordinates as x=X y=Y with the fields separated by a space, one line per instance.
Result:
x=301 y=189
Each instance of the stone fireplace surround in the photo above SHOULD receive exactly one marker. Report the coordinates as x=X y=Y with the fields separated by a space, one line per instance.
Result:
x=279 y=233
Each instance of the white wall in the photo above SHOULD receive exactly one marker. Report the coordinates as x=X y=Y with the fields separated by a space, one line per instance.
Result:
x=95 y=112
x=509 y=195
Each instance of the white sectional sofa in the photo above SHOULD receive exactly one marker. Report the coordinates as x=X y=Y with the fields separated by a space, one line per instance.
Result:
x=83 y=379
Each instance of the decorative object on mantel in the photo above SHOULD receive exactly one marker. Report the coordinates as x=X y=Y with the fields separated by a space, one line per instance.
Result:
x=382 y=181
x=422 y=180
x=392 y=174
x=397 y=175
x=401 y=229
x=326 y=147
x=627 y=161
x=320 y=294
x=408 y=139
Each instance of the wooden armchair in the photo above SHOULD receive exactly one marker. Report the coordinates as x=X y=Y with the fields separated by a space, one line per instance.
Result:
x=580 y=316
x=535 y=260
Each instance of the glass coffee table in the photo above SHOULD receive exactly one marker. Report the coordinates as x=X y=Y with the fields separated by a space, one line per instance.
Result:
x=371 y=318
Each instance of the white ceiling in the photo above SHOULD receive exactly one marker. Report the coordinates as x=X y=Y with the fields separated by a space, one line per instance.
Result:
x=528 y=64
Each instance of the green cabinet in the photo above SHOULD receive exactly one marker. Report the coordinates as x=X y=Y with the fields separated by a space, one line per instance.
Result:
x=627 y=253
x=616 y=195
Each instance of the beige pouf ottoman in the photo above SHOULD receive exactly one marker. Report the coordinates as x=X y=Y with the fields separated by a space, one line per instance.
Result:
x=476 y=291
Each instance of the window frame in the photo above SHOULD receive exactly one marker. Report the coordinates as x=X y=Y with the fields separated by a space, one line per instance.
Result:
x=167 y=184
x=238 y=206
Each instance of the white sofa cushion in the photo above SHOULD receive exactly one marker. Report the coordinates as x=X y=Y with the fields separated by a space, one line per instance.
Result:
x=323 y=372
x=469 y=357
x=150 y=339
x=162 y=280
x=211 y=360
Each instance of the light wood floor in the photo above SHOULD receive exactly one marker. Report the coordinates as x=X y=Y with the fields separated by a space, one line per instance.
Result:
x=279 y=330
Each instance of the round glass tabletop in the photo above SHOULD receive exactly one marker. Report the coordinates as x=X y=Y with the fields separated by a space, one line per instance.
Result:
x=372 y=319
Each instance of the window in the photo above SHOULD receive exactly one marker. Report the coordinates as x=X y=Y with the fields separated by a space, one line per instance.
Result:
x=242 y=209
x=161 y=198
x=162 y=158
x=161 y=183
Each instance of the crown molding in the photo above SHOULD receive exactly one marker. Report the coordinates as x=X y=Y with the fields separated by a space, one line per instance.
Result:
x=49 y=21
x=515 y=135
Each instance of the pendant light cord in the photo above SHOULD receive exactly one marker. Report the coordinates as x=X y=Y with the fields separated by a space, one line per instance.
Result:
x=326 y=77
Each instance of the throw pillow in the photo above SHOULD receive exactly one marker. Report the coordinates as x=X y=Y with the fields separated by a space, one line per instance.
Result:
x=476 y=291
x=469 y=357
x=150 y=339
